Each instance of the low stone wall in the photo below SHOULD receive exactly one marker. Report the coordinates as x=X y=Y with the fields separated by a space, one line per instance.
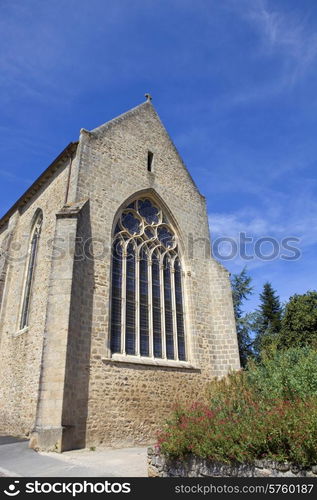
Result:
x=159 y=466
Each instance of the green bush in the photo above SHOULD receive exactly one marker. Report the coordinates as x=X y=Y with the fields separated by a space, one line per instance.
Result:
x=252 y=414
x=287 y=374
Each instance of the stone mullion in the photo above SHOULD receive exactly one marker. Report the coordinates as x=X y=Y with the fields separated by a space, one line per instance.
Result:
x=163 y=329
x=173 y=293
x=150 y=309
x=123 y=301
x=137 y=303
x=185 y=317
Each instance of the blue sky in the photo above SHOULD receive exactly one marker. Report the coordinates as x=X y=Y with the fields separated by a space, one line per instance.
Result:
x=234 y=81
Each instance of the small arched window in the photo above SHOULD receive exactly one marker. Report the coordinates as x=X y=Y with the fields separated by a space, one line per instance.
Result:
x=31 y=263
x=147 y=306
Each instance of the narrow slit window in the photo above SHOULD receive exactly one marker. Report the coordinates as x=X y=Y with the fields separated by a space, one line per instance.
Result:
x=150 y=156
x=35 y=236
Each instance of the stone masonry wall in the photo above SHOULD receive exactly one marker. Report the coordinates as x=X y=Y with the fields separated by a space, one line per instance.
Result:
x=77 y=372
x=223 y=342
x=127 y=402
x=104 y=401
x=21 y=351
x=160 y=466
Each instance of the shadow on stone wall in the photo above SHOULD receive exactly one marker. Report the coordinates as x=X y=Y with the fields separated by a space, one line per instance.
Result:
x=75 y=404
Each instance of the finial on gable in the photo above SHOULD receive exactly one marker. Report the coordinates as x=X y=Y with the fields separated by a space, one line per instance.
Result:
x=148 y=97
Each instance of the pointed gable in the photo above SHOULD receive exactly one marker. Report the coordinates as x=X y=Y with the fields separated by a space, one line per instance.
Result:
x=142 y=120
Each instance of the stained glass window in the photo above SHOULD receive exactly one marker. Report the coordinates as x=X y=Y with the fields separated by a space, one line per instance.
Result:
x=116 y=296
x=179 y=311
x=130 y=300
x=156 y=307
x=144 y=310
x=168 y=309
x=147 y=306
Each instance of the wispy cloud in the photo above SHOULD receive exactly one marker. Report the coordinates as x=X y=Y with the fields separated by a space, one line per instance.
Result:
x=231 y=224
x=288 y=34
x=283 y=35
x=11 y=177
x=293 y=216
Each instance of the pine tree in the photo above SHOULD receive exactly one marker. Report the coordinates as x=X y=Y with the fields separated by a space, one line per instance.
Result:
x=269 y=319
x=241 y=289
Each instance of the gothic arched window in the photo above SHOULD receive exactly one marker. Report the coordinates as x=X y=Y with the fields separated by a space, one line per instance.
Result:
x=32 y=252
x=147 y=306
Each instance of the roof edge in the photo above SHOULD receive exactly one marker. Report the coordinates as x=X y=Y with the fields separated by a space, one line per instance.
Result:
x=119 y=118
x=38 y=183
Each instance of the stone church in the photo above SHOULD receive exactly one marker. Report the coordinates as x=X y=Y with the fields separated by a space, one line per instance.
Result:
x=111 y=307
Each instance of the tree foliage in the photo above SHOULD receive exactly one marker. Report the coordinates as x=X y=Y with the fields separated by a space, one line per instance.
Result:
x=272 y=326
x=241 y=290
x=268 y=320
x=299 y=324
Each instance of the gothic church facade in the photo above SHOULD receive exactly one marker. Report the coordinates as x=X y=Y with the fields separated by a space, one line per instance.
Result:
x=111 y=307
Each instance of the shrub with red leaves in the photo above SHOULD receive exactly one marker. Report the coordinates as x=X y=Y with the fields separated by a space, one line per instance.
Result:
x=240 y=426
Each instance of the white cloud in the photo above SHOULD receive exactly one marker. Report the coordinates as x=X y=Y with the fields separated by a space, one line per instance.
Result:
x=285 y=37
x=292 y=216
x=284 y=33
x=295 y=214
